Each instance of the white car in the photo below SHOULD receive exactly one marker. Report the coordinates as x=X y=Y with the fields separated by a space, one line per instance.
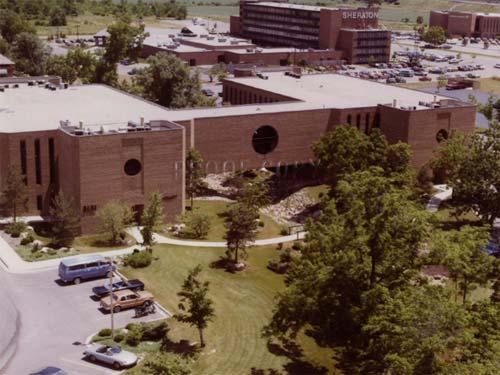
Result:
x=111 y=355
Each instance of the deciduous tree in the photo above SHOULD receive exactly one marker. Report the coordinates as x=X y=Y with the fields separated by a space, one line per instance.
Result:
x=195 y=172
x=30 y=54
x=241 y=227
x=435 y=35
x=152 y=218
x=65 y=220
x=114 y=217
x=15 y=192
x=169 y=82
x=196 y=306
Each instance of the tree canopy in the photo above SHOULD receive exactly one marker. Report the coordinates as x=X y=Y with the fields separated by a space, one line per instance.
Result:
x=169 y=82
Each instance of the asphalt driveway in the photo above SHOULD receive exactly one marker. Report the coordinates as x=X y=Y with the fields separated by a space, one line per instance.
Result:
x=54 y=319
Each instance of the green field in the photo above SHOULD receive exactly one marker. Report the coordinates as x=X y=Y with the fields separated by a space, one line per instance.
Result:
x=243 y=304
x=390 y=15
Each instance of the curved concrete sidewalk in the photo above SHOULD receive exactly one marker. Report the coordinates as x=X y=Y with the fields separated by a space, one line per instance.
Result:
x=11 y=262
x=135 y=232
x=444 y=193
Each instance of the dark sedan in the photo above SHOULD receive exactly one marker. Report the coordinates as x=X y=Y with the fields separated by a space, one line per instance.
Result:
x=102 y=291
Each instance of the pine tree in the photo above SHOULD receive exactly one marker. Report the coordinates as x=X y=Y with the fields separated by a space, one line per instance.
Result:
x=15 y=192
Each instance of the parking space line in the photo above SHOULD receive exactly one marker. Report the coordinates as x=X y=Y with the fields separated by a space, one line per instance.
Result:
x=92 y=367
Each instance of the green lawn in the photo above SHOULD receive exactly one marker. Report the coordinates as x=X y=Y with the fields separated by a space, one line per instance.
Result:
x=214 y=209
x=243 y=304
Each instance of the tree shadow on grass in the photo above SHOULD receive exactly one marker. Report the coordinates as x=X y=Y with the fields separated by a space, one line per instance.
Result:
x=297 y=365
x=183 y=347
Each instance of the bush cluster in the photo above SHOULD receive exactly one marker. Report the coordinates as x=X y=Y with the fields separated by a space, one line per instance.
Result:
x=138 y=259
x=145 y=332
x=105 y=332
x=15 y=229
x=27 y=240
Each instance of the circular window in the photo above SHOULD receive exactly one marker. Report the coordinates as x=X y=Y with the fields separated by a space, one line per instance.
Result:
x=441 y=135
x=132 y=167
x=265 y=139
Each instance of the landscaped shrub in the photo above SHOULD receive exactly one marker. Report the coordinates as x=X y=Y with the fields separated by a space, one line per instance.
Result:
x=140 y=259
x=119 y=337
x=130 y=326
x=15 y=229
x=297 y=245
x=283 y=264
x=36 y=247
x=27 y=240
x=134 y=336
x=197 y=225
x=260 y=223
x=284 y=232
x=105 y=332
x=154 y=332
x=51 y=252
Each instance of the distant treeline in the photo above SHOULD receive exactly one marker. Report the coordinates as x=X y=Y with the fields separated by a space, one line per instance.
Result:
x=55 y=12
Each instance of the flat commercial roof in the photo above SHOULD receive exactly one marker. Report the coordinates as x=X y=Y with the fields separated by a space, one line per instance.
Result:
x=29 y=108
x=291 y=6
x=336 y=91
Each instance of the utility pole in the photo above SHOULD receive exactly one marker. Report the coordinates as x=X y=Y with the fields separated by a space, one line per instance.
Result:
x=111 y=300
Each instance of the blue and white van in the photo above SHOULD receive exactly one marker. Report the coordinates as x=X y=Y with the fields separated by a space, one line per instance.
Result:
x=84 y=267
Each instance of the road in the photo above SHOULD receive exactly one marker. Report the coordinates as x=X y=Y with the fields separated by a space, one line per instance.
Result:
x=54 y=319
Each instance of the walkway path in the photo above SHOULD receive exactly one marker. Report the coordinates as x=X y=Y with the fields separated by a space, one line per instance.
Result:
x=444 y=193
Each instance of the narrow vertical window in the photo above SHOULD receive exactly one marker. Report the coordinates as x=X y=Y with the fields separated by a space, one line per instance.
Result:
x=39 y=202
x=367 y=123
x=38 y=163
x=52 y=161
x=358 y=121
x=24 y=167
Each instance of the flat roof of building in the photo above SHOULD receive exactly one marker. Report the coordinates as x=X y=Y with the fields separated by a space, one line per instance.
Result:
x=336 y=91
x=32 y=108
x=29 y=108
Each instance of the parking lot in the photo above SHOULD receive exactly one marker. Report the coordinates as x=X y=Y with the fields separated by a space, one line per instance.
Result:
x=56 y=320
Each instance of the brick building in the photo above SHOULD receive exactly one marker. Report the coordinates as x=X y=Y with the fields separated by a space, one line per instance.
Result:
x=97 y=144
x=6 y=66
x=352 y=31
x=484 y=25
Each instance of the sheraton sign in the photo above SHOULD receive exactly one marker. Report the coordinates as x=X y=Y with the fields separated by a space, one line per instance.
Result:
x=359 y=15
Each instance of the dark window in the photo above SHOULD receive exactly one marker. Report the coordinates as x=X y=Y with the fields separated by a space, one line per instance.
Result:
x=38 y=163
x=132 y=167
x=192 y=62
x=52 y=161
x=39 y=202
x=367 y=123
x=349 y=119
x=358 y=121
x=93 y=264
x=441 y=135
x=376 y=122
x=265 y=139
x=77 y=267
x=24 y=166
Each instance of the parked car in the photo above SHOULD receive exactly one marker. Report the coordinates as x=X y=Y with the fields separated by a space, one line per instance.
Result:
x=455 y=86
x=104 y=290
x=390 y=80
x=425 y=79
x=50 y=371
x=111 y=355
x=207 y=92
x=473 y=75
x=497 y=66
x=84 y=267
x=132 y=72
x=125 y=299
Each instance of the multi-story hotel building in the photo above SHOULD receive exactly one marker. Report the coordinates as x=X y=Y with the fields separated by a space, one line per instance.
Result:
x=484 y=25
x=352 y=31
x=96 y=144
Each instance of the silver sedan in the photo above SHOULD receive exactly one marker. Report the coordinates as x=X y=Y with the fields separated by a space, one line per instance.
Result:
x=111 y=355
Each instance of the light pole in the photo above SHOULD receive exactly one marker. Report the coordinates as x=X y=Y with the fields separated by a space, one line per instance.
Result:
x=111 y=300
